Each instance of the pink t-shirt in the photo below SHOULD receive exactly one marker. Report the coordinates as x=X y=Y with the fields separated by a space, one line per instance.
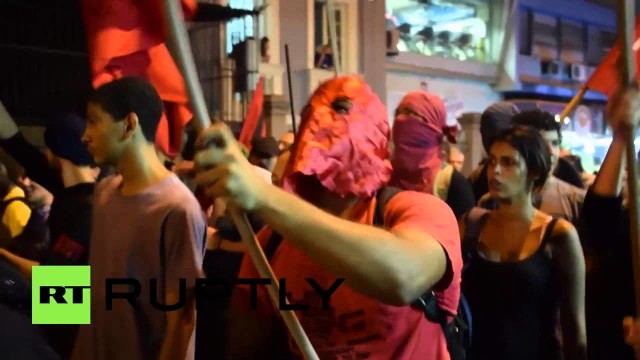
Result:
x=357 y=326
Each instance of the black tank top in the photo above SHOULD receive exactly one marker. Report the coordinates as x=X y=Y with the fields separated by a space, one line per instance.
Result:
x=514 y=305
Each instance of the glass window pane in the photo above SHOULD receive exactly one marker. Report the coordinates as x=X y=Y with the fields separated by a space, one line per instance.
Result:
x=448 y=28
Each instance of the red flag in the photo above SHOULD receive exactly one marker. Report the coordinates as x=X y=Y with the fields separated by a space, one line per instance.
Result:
x=606 y=78
x=252 y=118
x=127 y=38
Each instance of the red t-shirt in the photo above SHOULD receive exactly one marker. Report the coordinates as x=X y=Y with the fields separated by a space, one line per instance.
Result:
x=357 y=326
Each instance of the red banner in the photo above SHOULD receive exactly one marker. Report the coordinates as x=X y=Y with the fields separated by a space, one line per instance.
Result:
x=252 y=119
x=127 y=38
x=606 y=78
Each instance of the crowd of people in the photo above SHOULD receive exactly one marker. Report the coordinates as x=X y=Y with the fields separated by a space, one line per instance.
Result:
x=522 y=260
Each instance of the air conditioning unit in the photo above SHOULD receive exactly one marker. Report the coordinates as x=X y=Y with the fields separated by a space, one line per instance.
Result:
x=393 y=38
x=577 y=72
x=550 y=68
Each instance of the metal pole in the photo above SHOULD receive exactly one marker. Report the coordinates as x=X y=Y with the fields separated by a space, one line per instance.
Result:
x=184 y=58
x=293 y=112
x=626 y=13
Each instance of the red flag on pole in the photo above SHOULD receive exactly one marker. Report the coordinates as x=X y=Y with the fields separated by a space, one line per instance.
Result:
x=252 y=119
x=606 y=78
x=127 y=38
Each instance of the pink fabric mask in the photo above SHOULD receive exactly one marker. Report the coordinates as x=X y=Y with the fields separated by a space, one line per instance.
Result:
x=418 y=129
x=346 y=151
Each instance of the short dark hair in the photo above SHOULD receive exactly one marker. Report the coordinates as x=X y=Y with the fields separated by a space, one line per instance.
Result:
x=538 y=119
x=264 y=147
x=127 y=95
x=528 y=141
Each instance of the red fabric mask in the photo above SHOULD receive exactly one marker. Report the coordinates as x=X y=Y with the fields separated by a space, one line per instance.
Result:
x=342 y=141
x=418 y=129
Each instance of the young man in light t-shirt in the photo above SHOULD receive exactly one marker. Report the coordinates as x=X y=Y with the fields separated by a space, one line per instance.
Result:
x=147 y=225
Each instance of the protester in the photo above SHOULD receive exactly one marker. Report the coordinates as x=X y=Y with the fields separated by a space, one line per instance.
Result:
x=264 y=152
x=610 y=296
x=286 y=140
x=494 y=119
x=556 y=197
x=454 y=156
x=418 y=131
x=66 y=169
x=147 y=225
x=324 y=214
x=522 y=266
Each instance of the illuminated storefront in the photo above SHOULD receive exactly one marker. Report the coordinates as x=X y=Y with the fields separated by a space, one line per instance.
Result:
x=447 y=28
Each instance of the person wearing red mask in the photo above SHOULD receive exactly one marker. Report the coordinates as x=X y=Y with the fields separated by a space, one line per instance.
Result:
x=325 y=214
x=419 y=128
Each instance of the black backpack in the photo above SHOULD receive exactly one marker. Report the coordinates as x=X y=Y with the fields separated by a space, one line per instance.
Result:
x=457 y=331
x=34 y=240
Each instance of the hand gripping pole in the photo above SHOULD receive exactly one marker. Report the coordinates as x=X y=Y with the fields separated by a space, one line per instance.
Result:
x=184 y=58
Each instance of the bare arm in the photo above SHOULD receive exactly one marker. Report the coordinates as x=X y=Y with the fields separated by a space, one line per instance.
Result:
x=609 y=179
x=394 y=266
x=569 y=261
x=22 y=264
x=622 y=111
x=184 y=239
x=179 y=339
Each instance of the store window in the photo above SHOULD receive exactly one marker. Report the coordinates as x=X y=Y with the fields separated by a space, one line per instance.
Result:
x=600 y=43
x=323 y=50
x=572 y=44
x=241 y=28
x=545 y=38
x=448 y=28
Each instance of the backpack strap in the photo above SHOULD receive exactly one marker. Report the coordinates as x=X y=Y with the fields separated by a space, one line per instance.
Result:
x=272 y=244
x=548 y=232
x=4 y=204
x=384 y=195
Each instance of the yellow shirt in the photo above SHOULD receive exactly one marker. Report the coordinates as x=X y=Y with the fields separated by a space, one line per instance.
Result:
x=17 y=214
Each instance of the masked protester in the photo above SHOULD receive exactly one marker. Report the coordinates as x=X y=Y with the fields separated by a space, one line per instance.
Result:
x=321 y=227
x=418 y=132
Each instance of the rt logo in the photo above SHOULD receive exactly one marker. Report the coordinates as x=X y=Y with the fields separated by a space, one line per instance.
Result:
x=61 y=295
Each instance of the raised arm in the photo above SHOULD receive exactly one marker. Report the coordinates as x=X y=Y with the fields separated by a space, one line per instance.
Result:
x=395 y=266
x=602 y=209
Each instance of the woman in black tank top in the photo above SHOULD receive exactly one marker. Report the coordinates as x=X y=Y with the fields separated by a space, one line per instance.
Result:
x=524 y=270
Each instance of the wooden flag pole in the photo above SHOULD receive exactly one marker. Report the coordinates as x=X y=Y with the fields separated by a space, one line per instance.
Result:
x=573 y=103
x=184 y=58
x=626 y=15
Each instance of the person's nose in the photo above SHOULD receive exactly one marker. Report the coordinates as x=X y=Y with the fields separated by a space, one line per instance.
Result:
x=85 y=138
x=497 y=169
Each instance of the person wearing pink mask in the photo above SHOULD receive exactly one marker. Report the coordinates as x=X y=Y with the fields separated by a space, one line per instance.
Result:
x=326 y=215
x=418 y=131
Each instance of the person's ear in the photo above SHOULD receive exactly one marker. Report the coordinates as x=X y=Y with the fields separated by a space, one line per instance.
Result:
x=130 y=125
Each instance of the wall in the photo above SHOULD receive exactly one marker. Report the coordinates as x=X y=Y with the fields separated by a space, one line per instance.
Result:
x=373 y=41
x=476 y=96
x=293 y=31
